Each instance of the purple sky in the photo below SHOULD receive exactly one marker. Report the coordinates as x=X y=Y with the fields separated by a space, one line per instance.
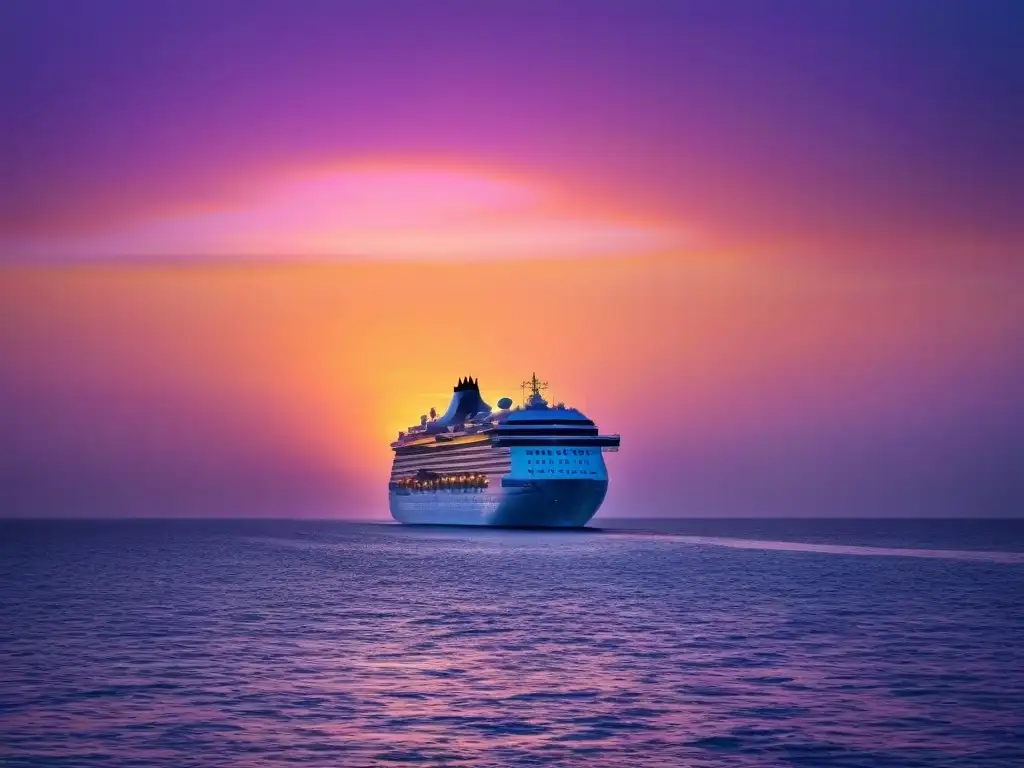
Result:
x=837 y=122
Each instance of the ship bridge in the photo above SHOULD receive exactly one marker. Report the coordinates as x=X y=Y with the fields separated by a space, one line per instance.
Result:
x=539 y=424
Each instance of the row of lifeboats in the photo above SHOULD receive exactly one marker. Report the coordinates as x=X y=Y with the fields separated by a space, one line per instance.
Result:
x=443 y=483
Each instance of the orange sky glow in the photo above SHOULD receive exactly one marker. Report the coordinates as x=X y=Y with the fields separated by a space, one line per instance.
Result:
x=321 y=364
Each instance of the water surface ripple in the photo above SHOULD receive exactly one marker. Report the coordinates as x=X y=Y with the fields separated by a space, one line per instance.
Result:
x=281 y=643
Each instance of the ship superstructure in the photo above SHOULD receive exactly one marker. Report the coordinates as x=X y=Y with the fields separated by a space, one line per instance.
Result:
x=534 y=465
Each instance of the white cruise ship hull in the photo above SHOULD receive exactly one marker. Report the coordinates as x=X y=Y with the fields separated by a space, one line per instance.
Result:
x=555 y=503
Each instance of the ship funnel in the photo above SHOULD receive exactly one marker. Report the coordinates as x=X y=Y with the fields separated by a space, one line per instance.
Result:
x=466 y=403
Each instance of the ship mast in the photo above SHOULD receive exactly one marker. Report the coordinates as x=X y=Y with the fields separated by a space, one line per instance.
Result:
x=535 y=386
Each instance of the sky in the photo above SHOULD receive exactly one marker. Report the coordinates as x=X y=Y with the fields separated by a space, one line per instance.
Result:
x=777 y=246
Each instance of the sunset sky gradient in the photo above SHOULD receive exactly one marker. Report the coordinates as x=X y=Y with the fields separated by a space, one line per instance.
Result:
x=777 y=246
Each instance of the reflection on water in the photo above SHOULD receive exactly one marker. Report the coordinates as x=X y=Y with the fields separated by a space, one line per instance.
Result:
x=274 y=643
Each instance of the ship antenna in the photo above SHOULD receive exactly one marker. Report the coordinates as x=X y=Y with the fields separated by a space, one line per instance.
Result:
x=535 y=386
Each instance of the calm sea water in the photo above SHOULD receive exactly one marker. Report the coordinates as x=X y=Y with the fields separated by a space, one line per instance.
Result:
x=686 y=643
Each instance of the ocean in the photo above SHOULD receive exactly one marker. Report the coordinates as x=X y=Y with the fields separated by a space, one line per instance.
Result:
x=644 y=643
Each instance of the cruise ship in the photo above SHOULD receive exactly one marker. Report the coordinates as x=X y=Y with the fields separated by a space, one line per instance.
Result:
x=530 y=466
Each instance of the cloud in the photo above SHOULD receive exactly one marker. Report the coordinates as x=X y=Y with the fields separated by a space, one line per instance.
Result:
x=375 y=212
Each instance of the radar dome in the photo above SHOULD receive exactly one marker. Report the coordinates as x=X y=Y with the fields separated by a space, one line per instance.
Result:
x=505 y=403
